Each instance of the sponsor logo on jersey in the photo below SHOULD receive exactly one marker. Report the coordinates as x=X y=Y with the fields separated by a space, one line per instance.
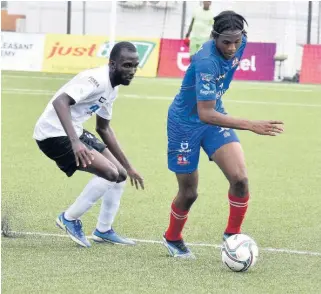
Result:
x=207 y=87
x=102 y=99
x=93 y=81
x=207 y=92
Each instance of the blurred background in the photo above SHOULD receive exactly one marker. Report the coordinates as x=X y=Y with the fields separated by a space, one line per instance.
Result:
x=288 y=24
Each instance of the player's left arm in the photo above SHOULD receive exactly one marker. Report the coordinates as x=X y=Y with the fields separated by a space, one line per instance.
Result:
x=206 y=77
x=107 y=134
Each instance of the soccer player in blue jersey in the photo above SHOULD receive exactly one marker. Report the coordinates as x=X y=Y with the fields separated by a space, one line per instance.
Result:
x=197 y=118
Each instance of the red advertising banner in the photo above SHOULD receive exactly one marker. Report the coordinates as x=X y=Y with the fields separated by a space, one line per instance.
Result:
x=311 y=65
x=257 y=63
x=173 y=58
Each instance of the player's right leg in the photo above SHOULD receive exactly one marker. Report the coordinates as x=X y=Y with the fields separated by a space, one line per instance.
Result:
x=187 y=194
x=183 y=156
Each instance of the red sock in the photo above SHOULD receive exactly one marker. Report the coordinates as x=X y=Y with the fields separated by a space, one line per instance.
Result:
x=177 y=221
x=238 y=207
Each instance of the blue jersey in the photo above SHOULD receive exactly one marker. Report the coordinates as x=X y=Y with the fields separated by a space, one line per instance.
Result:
x=207 y=78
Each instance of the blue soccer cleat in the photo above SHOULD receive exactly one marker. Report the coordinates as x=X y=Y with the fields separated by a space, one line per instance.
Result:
x=227 y=235
x=73 y=229
x=111 y=237
x=178 y=249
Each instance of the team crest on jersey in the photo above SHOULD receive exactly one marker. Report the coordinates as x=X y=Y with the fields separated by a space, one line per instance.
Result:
x=235 y=62
x=206 y=77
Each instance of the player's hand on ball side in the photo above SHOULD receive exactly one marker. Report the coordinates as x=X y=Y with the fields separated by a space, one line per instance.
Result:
x=135 y=178
x=82 y=154
x=267 y=127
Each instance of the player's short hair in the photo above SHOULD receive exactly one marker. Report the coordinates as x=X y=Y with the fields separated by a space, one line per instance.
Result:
x=228 y=21
x=115 y=52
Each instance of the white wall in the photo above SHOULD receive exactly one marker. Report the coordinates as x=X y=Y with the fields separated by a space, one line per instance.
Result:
x=282 y=22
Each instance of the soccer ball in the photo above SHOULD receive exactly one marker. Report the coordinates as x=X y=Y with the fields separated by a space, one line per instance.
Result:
x=239 y=252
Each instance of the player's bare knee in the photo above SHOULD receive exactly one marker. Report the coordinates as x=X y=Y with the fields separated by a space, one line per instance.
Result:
x=190 y=196
x=122 y=175
x=111 y=175
x=240 y=186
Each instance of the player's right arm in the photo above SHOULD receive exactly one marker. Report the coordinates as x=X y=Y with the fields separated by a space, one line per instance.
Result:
x=74 y=93
x=206 y=74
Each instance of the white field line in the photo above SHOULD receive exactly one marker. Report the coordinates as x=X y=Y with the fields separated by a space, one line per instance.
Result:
x=276 y=250
x=246 y=85
x=12 y=91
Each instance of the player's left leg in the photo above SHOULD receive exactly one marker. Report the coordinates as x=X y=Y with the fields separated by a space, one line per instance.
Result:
x=224 y=148
x=110 y=206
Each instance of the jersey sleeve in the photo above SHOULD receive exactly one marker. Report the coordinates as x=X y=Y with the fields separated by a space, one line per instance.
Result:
x=83 y=87
x=106 y=111
x=206 y=73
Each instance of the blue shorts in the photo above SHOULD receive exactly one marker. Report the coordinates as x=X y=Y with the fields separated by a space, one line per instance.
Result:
x=185 y=142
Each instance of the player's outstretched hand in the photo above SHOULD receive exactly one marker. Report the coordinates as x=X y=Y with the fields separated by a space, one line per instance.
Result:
x=82 y=154
x=267 y=127
x=135 y=178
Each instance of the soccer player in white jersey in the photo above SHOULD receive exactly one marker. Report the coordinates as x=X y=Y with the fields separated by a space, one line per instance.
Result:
x=60 y=135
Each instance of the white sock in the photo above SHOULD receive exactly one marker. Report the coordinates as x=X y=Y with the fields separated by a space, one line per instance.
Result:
x=109 y=207
x=94 y=190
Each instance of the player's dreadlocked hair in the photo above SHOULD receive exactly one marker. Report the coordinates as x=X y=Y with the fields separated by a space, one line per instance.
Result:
x=228 y=21
x=115 y=52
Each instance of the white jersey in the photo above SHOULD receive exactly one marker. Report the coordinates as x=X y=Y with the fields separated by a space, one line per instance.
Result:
x=93 y=93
